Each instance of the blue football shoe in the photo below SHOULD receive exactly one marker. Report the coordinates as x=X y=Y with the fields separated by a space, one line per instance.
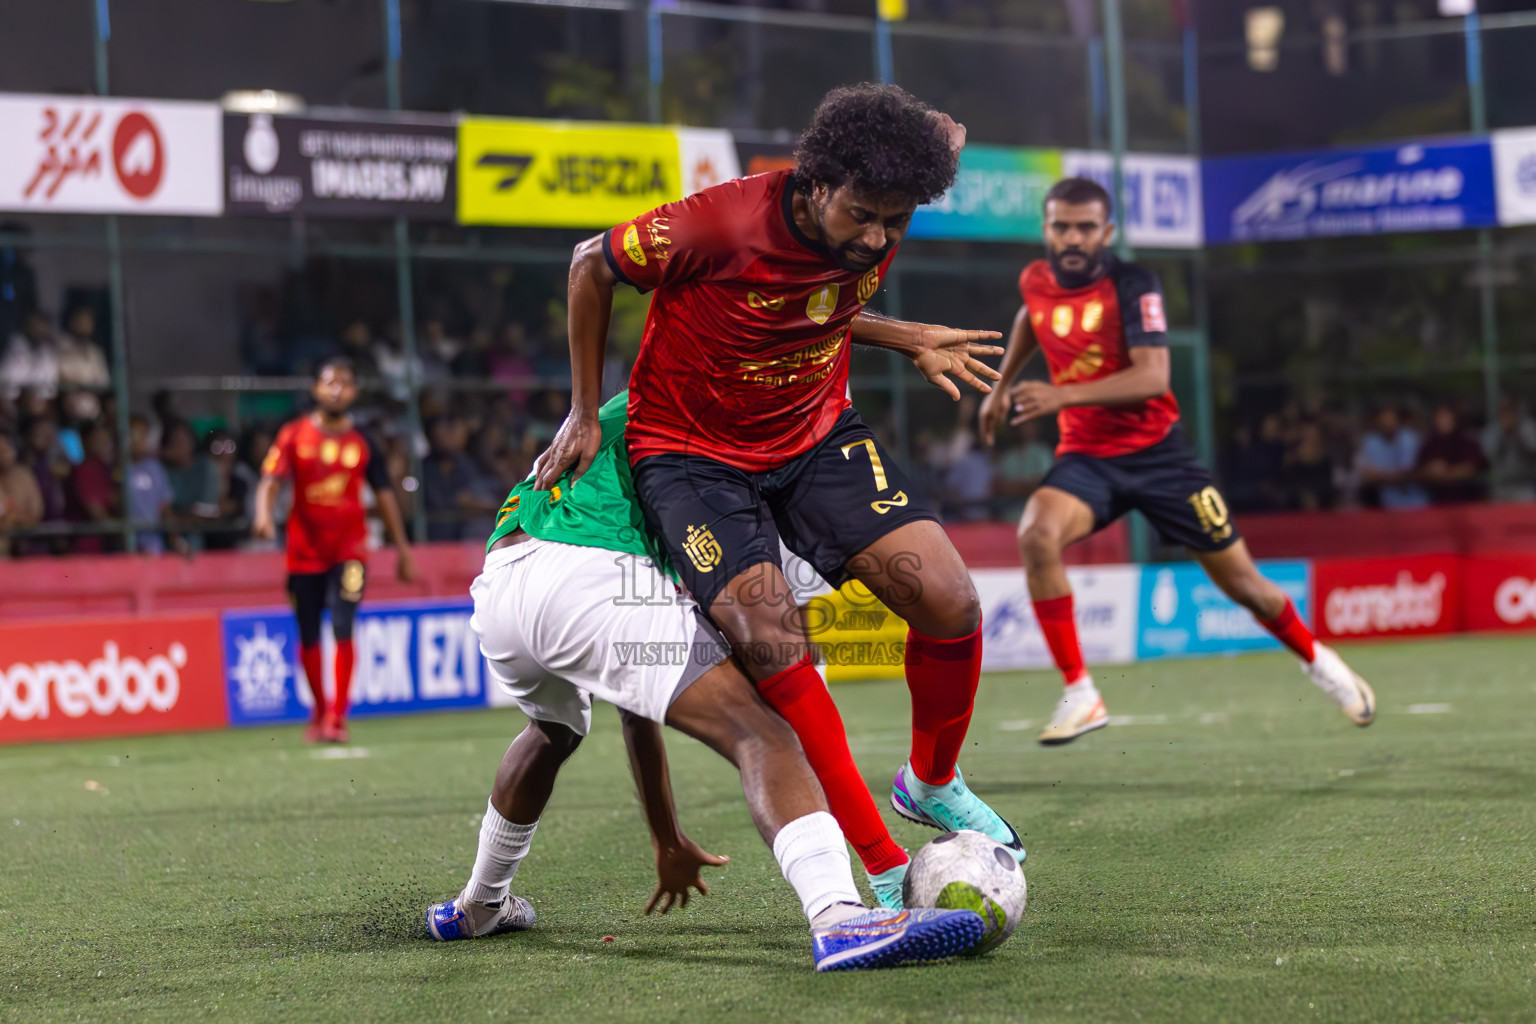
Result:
x=887 y=886
x=463 y=918
x=950 y=808
x=885 y=938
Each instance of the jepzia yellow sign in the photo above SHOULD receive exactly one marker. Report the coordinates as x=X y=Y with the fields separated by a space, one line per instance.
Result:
x=564 y=174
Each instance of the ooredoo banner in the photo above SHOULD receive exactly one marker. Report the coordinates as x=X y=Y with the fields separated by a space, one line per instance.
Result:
x=110 y=677
x=1381 y=597
x=86 y=154
x=1500 y=591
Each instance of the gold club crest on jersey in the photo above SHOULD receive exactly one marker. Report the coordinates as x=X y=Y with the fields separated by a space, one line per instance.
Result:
x=869 y=284
x=1061 y=321
x=632 y=245
x=1093 y=316
x=702 y=549
x=822 y=303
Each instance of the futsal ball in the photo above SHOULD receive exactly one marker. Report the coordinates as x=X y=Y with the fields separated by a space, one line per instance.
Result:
x=970 y=871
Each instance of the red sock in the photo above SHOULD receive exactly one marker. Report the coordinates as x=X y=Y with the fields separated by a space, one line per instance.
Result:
x=345 y=655
x=309 y=655
x=1291 y=631
x=1060 y=628
x=942 y=677
x=801 y=698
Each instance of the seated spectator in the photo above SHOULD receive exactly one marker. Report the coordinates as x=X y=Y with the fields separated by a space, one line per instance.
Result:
x=509 y=361
x=357 y=344
x=474 y=363
x=1020 y=468
x=438 y=351
x=194 y=481
x=253 y=448
x=1307 y=473
x=50 y=468
x=93 y=495
x=968 y=484
x=149 y=490
x=1509 y=442
x=451 y=489
x=21 y=503
x=1451 y=462
x=1386 y=461
x=82 y=362
x=30 y=360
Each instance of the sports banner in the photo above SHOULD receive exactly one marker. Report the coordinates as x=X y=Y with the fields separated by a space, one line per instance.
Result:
x=84 y=154
x=110 y=677
x=708 y=158
x=411 y=657
x=277 y=166
x=566 y=174
x=1356 y=598
x=1161 y=207
x=1500 y=591
x=997 y=195
x=1184 y=613
x=1514 y=173
x=1419 y=186
x=1105 y=601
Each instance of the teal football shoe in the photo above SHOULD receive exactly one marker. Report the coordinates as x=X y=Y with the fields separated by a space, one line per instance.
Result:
x=887 y=886
x=951 y=807
x=885 y=938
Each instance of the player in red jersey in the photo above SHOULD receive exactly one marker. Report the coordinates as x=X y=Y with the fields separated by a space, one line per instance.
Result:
x=1101 y=325
x=740 y=432
x=329 y=460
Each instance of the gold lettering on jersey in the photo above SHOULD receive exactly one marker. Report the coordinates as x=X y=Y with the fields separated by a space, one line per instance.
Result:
x=756 y=301
x=822 y=303
x=1093 y=316
x=327 y=491
x=351 y=455
x=884 y=505
x=1212 y=512
x=812 y=363
x=1061 y=321
x=869 y=284
x=329 y=450
x=507 y=510
x=1085 y=367
x=661 y=245
x=702 y=549
x=632 y=245
x=1037 y=317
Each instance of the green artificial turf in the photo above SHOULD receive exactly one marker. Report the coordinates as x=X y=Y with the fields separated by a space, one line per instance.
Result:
x=1236 y=851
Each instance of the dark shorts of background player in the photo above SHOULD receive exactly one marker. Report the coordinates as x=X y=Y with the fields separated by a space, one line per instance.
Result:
x=828 y=504
x=340 y=587
x=1167 y=483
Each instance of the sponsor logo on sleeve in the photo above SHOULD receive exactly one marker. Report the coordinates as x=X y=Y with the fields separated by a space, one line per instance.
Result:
x=1153 y=320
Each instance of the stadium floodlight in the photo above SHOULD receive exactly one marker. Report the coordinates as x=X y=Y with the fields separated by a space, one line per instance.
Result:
x=1263 y=27
x=261 y=101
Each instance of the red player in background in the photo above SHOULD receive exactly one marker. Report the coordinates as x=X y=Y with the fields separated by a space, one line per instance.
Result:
x=329 y=460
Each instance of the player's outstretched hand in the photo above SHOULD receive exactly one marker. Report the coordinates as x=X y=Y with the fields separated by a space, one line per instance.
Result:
x=575 y=444
x=677 y=869
x=1032 y=399
x=948 y=351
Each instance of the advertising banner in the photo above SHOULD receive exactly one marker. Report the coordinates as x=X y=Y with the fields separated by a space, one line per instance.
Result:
x=1105 y=599
x=1429 y=186
x=110 y=677
x=83 y=154
x=1500 y=591
x=1183 y=612
x=1161 y=208
x=708 y=158
x=275 y=166
x=997 y=195
x=565 y=174
x=1356 y=598
x=411 y=657
x=1514 y=175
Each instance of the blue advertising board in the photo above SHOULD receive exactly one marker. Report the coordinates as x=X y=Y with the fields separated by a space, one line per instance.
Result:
x=411 y=657
x=1184 y=613
x=1417 y=186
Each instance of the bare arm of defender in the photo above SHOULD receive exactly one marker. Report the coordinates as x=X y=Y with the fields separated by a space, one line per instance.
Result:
x=1021 y=347
x=936 y=351
x=1145 y=379
x=590 y=295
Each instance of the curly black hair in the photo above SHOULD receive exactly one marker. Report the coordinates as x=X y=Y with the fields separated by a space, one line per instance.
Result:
x=880 y=139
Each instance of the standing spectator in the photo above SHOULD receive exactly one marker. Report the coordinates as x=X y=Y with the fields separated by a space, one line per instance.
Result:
x=1451 y=462
x=1308 y=471
x=82 y=363
x=254 y=445
x=1509 y=442
x=1020 y=470
x=233 y=495
x=93 y=495
x=194 y=481
x=1386 y=462
x=451 y=487
x=30 y=360
x=149 y=490
x=21 y=504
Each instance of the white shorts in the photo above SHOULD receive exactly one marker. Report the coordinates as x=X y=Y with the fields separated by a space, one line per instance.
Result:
x=804 y=582
x=561 y=624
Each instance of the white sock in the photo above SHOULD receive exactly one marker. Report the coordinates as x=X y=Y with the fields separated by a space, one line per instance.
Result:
x=814 y=858
x=503 y=845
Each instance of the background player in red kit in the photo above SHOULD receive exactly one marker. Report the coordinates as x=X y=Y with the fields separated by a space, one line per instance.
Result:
x=329 y=459
x=1101 y=325
x=740 y=432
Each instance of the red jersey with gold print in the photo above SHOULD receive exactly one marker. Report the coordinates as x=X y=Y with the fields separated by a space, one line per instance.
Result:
x=745 y=353
x=329 y=524
x=1088 y=333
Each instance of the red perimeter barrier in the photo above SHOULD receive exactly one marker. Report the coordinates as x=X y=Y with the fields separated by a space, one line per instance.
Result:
x=1366 y=533
x=1501 y=591
x=111 y=677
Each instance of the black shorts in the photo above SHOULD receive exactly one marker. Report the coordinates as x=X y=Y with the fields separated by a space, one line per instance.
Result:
x=828 y=504
x=340 y=587
x=1167 y=483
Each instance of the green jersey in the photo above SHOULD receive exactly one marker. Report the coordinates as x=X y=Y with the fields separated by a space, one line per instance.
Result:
x=598 y=511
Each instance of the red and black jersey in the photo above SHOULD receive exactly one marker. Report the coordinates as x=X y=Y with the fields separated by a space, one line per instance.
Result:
x=329 y=524
x=745 y=353
x=1088 y=333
